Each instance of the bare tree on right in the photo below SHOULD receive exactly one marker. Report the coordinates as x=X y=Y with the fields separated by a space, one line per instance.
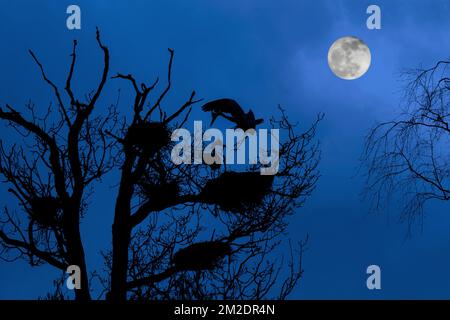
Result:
x=410 y=155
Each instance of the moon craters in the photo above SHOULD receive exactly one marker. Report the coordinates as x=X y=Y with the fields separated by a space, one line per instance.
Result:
x=349 y=58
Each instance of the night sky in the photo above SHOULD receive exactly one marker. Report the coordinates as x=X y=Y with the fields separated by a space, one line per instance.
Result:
x=261 y=53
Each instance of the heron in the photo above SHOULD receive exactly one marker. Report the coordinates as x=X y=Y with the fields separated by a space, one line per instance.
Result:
x=232 y=111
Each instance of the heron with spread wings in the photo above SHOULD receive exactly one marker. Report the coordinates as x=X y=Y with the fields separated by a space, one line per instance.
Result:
x=232 y=111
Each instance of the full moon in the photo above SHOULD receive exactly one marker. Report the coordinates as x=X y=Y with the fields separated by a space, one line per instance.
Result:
x=349 y=58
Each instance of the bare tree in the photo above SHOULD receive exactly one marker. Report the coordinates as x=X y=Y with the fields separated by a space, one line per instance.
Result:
x=179 y=231
x=410 y=155
x=49 y=176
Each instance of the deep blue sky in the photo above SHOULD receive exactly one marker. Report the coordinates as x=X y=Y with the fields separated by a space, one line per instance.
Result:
x=262 y=53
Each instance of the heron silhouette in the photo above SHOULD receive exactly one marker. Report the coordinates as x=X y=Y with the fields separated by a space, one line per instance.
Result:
x=232 y=111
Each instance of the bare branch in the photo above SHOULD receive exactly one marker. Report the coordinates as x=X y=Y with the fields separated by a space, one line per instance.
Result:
x=55 y=88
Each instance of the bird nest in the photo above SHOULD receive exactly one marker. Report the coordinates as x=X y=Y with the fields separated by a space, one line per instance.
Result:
x=201 y=256
x=237 y=191
x=150 y=137
x=45 y=210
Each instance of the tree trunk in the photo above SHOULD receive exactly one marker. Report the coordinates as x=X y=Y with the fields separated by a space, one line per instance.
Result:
x=75 y=251
x=83 y=293
x=121 y=233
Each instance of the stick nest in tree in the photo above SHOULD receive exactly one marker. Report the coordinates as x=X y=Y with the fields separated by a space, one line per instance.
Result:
x=237 y=191
x=149 y=137
x=201 y=256
x=45 y=210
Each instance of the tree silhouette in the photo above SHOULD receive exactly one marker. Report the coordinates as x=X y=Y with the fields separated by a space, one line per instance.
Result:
x=410 y=154
x=179 y=231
